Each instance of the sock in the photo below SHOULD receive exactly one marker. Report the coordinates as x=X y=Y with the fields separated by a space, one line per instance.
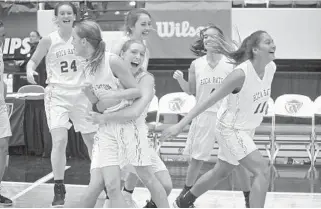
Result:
x=152 y=202
x=186 y=189
x=129 y=191
x=106 y=193
x=59 y=181
x=189 y=198
x=247 y=198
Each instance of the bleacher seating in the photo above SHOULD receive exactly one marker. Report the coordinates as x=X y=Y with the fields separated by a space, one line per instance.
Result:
x=276 y=3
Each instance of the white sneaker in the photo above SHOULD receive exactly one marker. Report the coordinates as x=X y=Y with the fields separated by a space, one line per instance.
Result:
x=107 y=204
x=129 y=199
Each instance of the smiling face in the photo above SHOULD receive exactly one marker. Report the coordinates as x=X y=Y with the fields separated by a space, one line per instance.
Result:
x=265 y=49
x=142 y=26
x=65 y=16
x=134 y=55
x=209 y=38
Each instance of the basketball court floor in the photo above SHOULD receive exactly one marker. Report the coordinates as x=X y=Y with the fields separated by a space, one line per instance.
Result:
x=28 y=181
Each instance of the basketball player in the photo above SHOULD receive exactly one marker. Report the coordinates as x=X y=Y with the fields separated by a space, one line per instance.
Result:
x=247 y=90
x=137 y=27
x=5 y=130
x=205 y=74
x=116 y=144
x=64 y=99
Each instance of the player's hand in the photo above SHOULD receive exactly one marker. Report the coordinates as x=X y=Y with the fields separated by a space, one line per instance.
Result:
x=170 y=133
x=95 y=118
x=88 y=91
x=30 y=76
x=178 y=75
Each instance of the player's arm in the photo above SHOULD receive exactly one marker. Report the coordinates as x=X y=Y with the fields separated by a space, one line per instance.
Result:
x=4 y=90
x=40 y=53
x=191 y=80
x=120 y=70
x=136 y=109
x=232 y=83
x=116 y=49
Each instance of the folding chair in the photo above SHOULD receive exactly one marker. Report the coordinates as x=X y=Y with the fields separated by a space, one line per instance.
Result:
x=32 y=92
x=173 y=104
x=256 y=3
x=295 y=106
x=281 y=3
x=306 y=3
x=317 y=109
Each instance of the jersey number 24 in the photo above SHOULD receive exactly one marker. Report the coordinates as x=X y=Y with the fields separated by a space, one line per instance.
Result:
x=65 y=68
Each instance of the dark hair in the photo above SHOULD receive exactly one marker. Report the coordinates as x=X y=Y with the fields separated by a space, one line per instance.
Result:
x=197 y=47
x=128 y=43
x=90 y=30
x=132 y=17
x=73 y=7
x=37 y=32
x=244 y=52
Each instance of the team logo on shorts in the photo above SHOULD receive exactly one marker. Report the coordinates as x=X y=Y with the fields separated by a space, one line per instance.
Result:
x=293 y=106
x=176 y=104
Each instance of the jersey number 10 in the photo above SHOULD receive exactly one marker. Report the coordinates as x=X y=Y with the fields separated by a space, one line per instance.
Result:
x=64 y=66
x=262 y=107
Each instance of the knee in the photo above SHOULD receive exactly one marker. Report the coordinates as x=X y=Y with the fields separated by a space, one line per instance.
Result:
x=59 y=144
x=263 y=170
x=113 y=187
x=146 y=175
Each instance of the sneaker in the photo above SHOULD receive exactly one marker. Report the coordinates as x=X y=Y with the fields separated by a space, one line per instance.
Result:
x=4 y=201
x=59 y=198
x=150 y=204
x=107 y=204
x=129 y=199
x=178 y=203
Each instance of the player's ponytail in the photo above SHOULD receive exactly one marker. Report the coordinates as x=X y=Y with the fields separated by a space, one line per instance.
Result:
x=244 y=52
x=98 y=56
x=90 y=30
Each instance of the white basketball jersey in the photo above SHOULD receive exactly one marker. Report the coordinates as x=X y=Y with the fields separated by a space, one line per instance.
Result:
x=146 y=58
x=104 y=81
x=63 y=66
x=208 y=79
x=1 y=78
x=245 y=109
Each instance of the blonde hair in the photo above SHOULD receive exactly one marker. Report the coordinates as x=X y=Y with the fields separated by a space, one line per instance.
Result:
x=91 y=31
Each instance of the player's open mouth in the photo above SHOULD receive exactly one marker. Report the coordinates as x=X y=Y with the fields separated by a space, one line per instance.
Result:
x=66 y=21
x=134 y=64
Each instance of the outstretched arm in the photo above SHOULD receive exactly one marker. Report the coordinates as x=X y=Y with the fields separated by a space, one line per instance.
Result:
x=232 y=82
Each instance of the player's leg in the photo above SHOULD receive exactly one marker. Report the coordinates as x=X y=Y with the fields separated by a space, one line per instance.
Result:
x=136 y=151
x=162 y=174
x=253 y=161
x=199 y=146
x=109 y=162
x=78 y=115
x=5 y=133
x=242 y=176
x=57 y=106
